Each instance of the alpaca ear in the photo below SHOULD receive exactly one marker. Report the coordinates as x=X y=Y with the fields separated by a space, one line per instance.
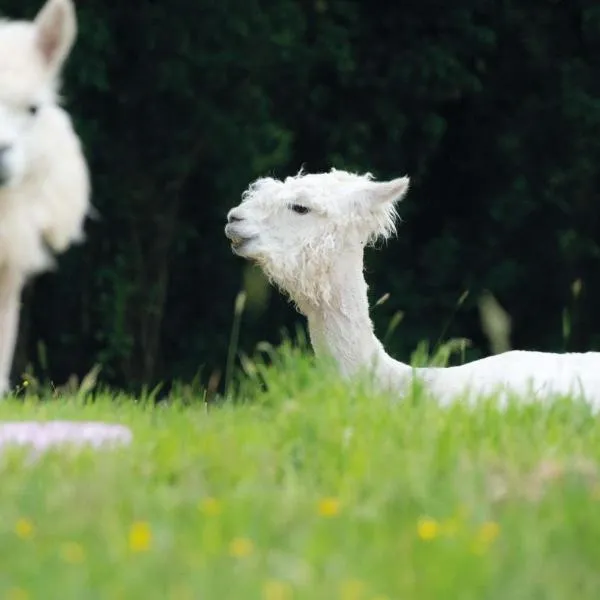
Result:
x=56 y=28
x=389 y=192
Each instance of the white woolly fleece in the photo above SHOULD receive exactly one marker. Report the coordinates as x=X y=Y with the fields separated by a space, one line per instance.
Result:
x=44 y=178
x=308 y=233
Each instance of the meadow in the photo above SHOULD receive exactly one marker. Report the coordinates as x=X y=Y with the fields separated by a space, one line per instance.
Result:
x=299 y=485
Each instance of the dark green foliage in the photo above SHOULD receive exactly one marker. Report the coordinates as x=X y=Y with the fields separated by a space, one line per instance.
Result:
x=493 y=108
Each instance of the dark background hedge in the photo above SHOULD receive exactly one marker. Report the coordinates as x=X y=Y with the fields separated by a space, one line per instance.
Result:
x=492 y=107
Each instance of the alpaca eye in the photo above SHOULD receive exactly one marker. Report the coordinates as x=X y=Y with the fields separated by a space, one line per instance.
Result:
x=33 y=109
x=298 y=208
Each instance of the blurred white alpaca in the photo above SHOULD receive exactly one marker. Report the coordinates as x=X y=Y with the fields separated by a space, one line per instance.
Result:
x=44 y=182
x=308 y=234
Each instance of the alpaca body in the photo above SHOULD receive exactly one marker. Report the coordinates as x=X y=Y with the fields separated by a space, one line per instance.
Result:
x=308 y=234
x=524 y=373
x=44 y=179
x=529 y=375
x=344 y=331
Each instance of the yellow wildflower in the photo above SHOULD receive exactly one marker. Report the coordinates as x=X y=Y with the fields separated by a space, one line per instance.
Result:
x=210 y=507
x=241 y=547
x=24 y=528
x=353 y=589
x=489 y=531
x=181 y=593
x=328 y=507
x=72 y=552
x=277 y=590
x=17 y=594
x=427 y=528
x=140 y=537
x=485 y=536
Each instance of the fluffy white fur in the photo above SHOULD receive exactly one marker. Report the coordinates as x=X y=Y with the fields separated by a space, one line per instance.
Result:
x=44 y=180
x=308 y=234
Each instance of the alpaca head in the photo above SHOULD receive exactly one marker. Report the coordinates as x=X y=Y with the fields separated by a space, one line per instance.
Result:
x=32 y=54
x=302 y=230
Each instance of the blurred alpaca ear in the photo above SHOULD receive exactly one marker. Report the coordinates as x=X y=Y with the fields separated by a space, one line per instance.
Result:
x=56 y=27
x=389 y=192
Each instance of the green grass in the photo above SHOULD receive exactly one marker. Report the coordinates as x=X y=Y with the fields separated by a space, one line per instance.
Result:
x=307 y=487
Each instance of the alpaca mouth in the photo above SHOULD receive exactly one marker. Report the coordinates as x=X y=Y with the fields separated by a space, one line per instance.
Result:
x=239 y=244
x=238 y=241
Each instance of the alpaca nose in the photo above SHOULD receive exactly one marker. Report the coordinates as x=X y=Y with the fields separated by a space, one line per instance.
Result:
x=232 y=217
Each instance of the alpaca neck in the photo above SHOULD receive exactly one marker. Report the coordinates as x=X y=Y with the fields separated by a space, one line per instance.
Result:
x=342 y=328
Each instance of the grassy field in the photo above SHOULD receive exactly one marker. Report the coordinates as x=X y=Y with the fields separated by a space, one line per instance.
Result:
x=307 y=487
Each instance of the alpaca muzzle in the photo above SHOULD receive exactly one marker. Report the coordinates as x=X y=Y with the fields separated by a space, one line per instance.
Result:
x=232 y=229
x=238 y=240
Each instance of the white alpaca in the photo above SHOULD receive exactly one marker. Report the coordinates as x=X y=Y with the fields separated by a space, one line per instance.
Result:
x=308 y=234
x=44 y=181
